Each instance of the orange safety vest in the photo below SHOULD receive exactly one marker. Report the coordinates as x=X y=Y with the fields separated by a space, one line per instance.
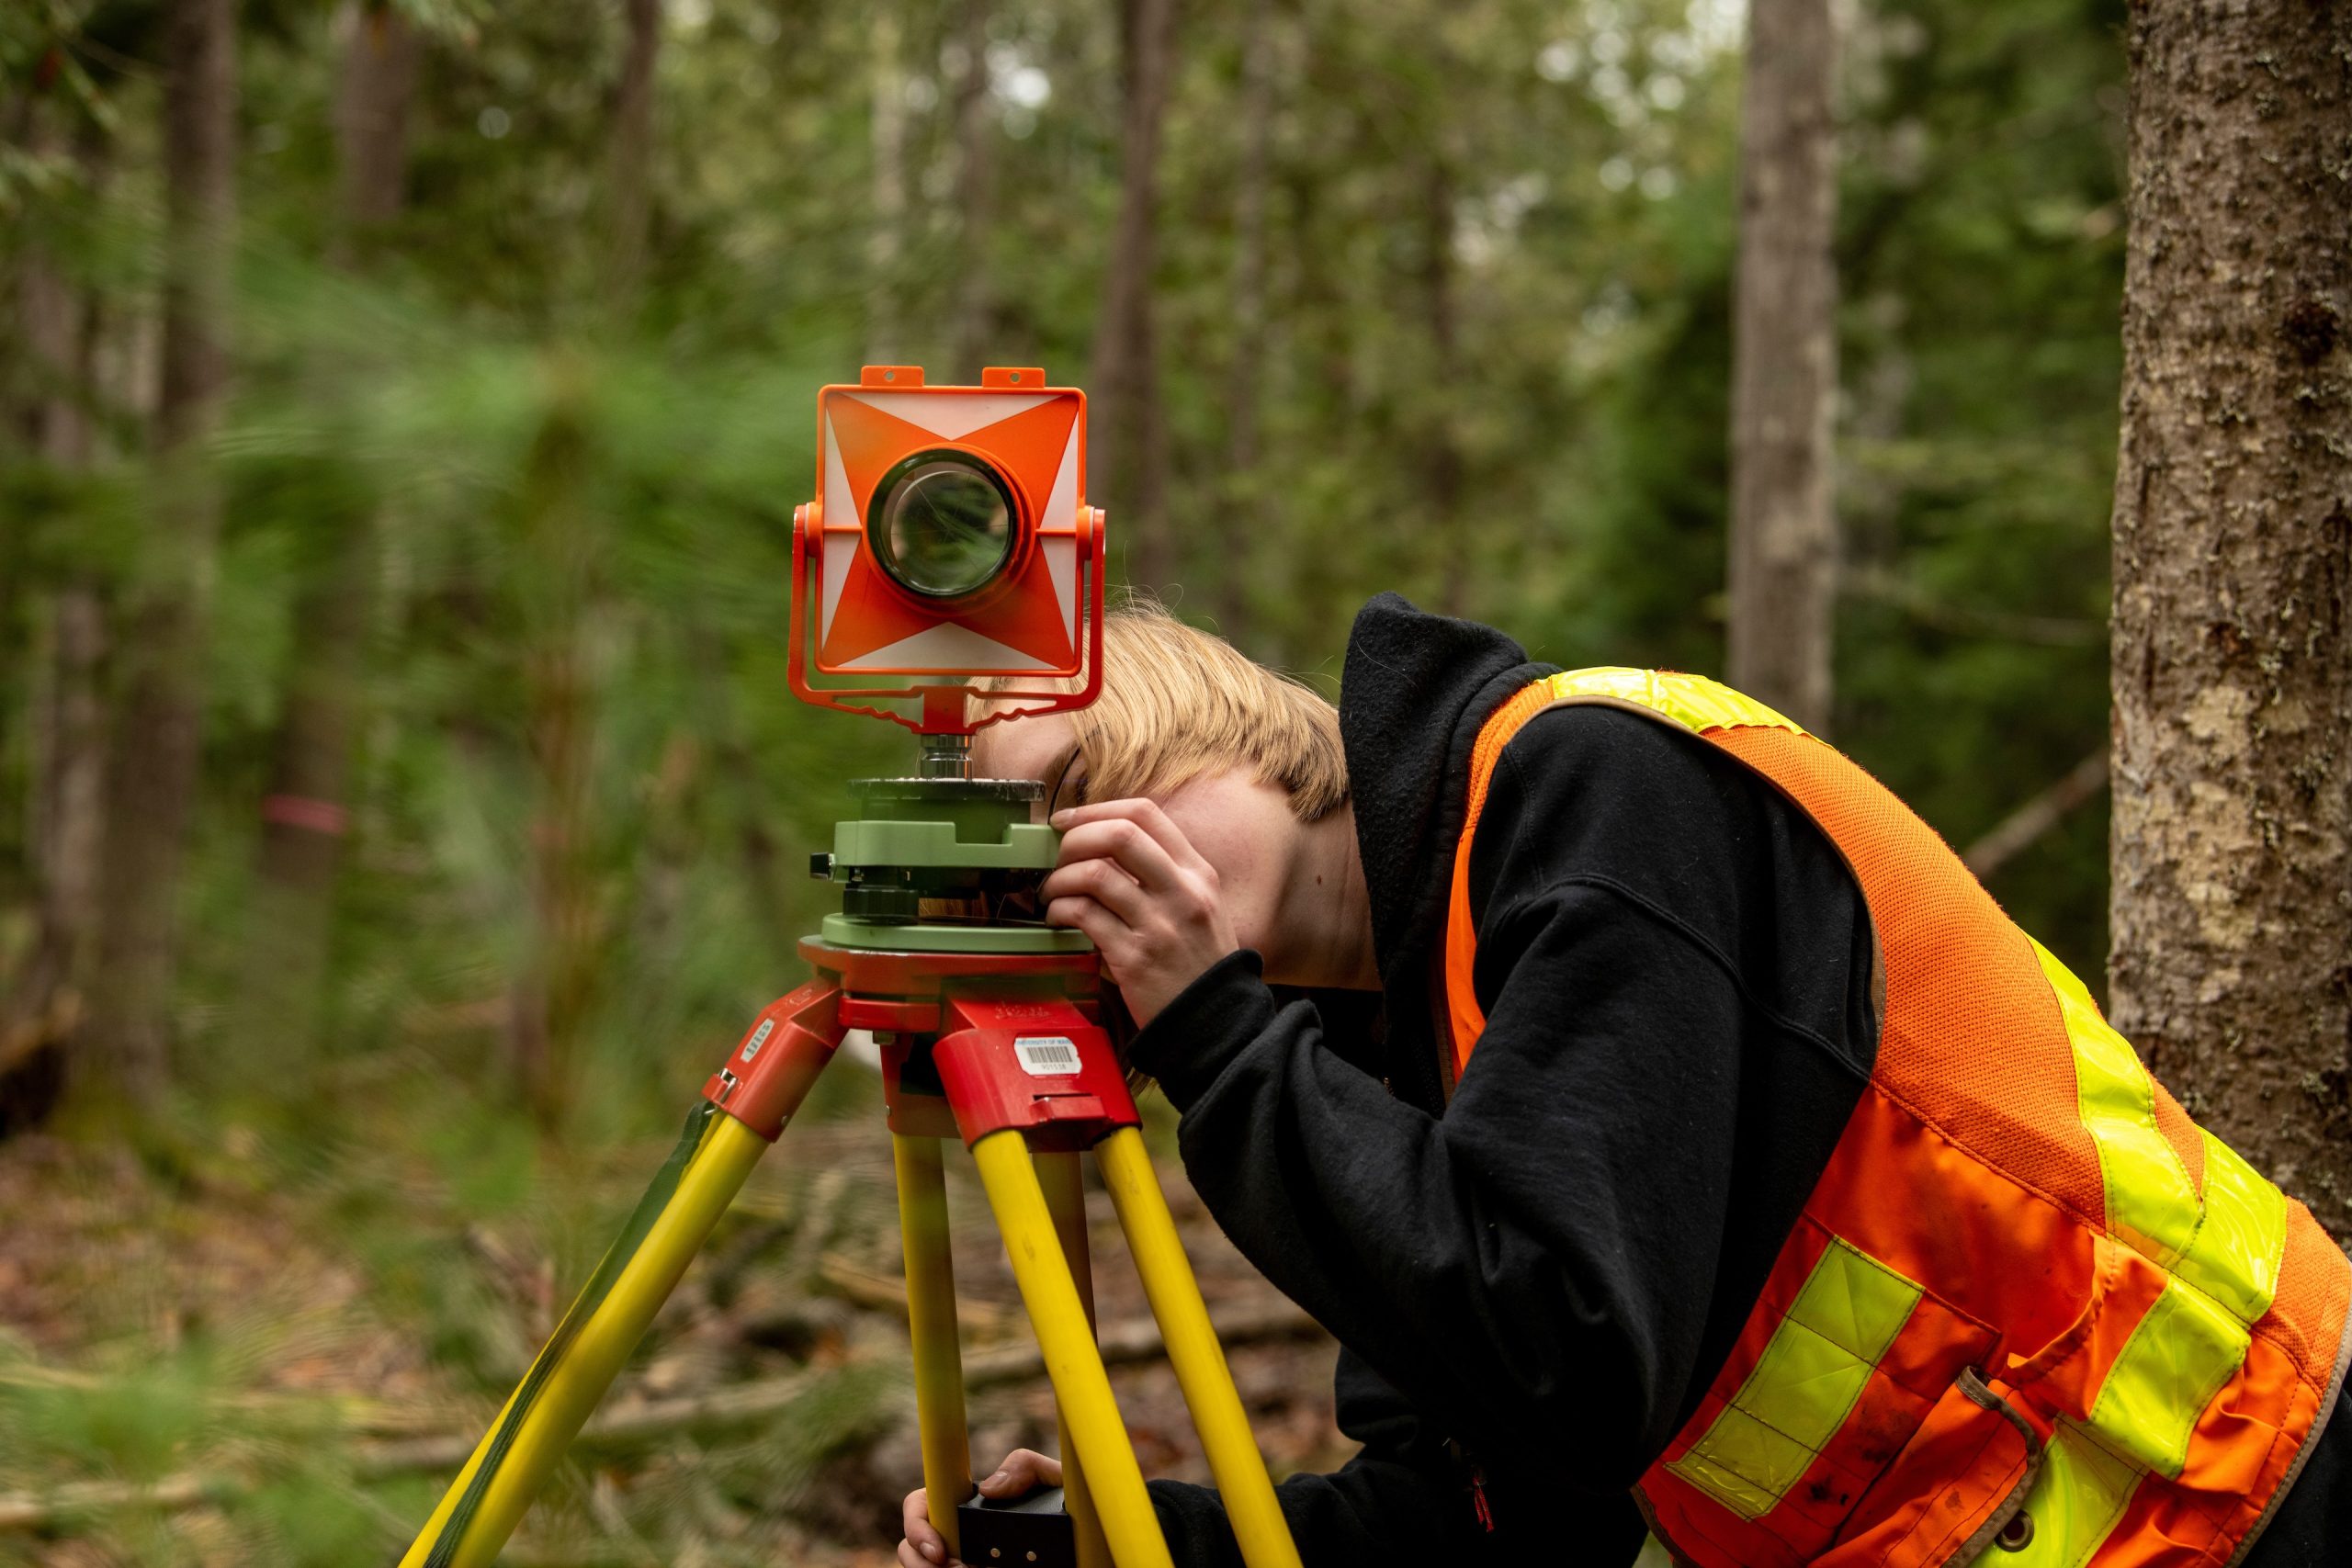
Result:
x=2030 y=1303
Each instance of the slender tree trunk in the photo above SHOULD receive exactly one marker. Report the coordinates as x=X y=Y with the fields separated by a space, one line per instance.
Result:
x=1442 y=462
x=46 y=998
x=556 y=987
x=883 y=242
x=556 y=983
x=1129 y=462
x=2231 y=964
x=376 y=85
x=632 y=149
x=1784 y=365
x=1241 y=515
x=156 y=758
x=306 y=813
x=974 y=317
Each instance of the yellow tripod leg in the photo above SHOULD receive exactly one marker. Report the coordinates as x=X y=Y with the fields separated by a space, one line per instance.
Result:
x=1066 y=1198
x=930 y=1325
x=1193 y=1350
x=1081 y=1386
x=572 y=1373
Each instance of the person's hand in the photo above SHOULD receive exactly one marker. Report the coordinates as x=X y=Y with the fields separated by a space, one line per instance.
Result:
x=1022 y=1471
x=1130 y=879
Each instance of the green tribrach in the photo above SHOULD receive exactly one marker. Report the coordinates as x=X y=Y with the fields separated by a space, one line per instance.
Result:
x=943 y=865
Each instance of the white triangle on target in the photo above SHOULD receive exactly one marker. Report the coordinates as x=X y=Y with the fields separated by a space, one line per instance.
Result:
x=946 y=647
x=950 y=419
x=841 y=548
x=1058 y=530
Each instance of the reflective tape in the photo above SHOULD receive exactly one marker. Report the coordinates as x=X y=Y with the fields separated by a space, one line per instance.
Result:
x=2235 y=1255
x=1693 y=701
x=1812 y=1370
x=2151 y=1206
x=2073 y=1504
x=2182 y=1350
x=2222 y=1247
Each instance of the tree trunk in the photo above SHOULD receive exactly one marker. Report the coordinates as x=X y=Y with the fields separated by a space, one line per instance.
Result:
x=1783 y=556
x=372 y=95
x=974 y=317
x=885 y=240
x=1442 y=463
x=632 y=150
x=1241 y=515
x=1128 y=463
x=563 y=540
x=306 y=813
x=2232 y=666
x=46 y=998
x=557 y=981
x=156 y=758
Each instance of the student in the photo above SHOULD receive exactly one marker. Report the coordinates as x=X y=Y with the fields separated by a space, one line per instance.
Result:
x=1718 y=1159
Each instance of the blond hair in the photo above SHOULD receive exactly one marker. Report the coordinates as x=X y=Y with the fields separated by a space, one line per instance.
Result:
x=1178 y=702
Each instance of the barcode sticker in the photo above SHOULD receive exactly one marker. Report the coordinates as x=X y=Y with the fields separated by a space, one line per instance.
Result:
x=1045 y=1055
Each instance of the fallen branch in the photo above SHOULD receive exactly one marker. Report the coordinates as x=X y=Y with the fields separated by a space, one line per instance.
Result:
x=2021 y=827
x=1123 y=1343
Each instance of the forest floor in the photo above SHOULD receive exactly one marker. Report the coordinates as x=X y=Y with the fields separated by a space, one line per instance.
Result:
x=244 y=1354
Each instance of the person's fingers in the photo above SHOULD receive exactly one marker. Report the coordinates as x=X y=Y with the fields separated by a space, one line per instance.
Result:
x=1147 y=817
x=1110 y=934
x=1106 y=883
x=1022 y=1471
x=1127 y=843
x=925 y=1546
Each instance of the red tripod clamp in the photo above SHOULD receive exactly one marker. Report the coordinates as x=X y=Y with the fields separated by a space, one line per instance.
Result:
x=1042 y=1068
x=1015 y=1042
x=762 y=1083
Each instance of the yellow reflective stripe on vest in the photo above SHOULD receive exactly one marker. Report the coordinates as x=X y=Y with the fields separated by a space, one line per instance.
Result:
x=2228 y=1240
x=2075 y=1501
x=1693 y=701
x=2151 y=1206
x=1814 y=1367
x=2180 y=1353
x=2222 y=1247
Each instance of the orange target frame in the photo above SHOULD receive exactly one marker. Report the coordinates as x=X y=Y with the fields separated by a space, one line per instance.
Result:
x=861 y=638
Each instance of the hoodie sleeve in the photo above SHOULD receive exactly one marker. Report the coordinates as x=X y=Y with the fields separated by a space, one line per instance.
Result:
x=1399 y=1503
x=1538 y=1268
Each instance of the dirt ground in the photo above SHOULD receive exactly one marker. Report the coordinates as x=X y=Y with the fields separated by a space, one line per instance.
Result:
x=221 y=1326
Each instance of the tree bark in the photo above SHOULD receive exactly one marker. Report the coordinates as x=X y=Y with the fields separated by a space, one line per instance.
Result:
x=373 y=91
x=1240 y=516
x=1784 y=555
x=1128 y=463
x=632 y=149
x=1441 y=460
x=557 y=982
x=2232 y=537
x=306 y=813
x=46 y=998
x=974 y=311
x=885 y=240
x=155 y=755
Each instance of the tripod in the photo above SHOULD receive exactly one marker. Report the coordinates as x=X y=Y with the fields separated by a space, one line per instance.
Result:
x=991 y=1031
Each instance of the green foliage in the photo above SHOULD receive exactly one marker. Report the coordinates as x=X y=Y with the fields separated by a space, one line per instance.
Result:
x=548 y=462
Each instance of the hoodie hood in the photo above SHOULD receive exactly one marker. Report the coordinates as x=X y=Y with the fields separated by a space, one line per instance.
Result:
x=1415 y=690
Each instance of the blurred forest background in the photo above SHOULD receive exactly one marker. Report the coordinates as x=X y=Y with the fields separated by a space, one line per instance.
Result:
x=401 y=800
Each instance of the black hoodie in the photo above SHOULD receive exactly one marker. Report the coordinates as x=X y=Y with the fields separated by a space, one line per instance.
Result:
x=1534 y=1283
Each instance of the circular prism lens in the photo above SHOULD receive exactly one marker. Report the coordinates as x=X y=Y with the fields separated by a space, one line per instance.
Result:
x=941 y=524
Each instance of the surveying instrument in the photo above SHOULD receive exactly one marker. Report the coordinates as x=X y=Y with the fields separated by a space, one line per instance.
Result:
x=949 y=575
